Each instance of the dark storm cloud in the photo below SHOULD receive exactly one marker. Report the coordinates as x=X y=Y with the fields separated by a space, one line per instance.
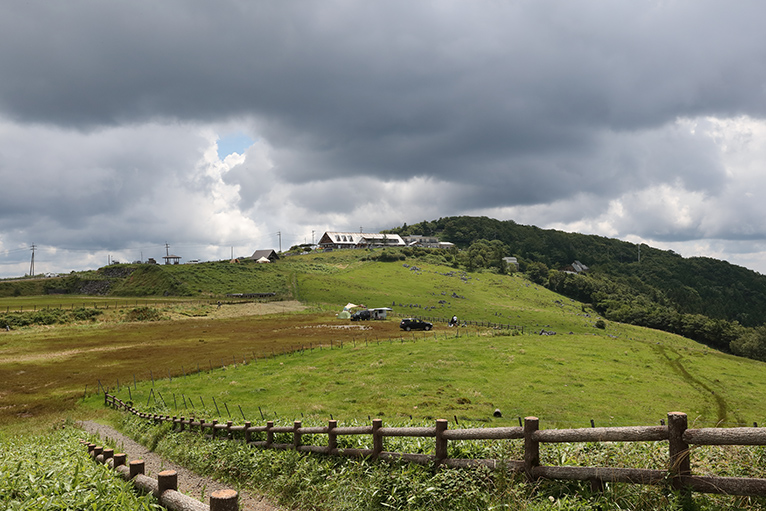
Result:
x=576 y=111
x=394 y=88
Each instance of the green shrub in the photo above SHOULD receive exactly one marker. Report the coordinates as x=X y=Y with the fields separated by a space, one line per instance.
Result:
x=83 y=314
x=143 y=314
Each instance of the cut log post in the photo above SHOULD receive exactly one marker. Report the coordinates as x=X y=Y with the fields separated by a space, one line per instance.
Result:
x=297 y=435
x=224 y=500
x=680 y=464
x=332 y=438
x=167 y=480
x=441 y=441
x=531 y=446
x=377 y=438
x=136 y=467
x=269 y=433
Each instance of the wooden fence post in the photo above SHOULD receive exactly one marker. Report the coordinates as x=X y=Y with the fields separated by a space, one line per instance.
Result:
x=119 y=459
x=441 y=442
x=377 y=438
x=167 y=480
x=247 y=431
x=269 y=434
x=296 y=435
x=332 y=438
x=136 y=467
x=680 y=464
x=224 y=500
x=531 y=447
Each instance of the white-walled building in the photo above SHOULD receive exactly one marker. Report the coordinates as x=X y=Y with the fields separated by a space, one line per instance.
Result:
x=359 y=240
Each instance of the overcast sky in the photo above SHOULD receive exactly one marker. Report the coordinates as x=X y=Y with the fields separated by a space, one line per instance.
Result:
x=214 y=126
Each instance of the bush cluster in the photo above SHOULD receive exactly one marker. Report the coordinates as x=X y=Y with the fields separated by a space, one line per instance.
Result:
x=143 y=314
x=47 y=317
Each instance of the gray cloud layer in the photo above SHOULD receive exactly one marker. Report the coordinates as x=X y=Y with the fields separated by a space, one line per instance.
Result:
x=563 y=108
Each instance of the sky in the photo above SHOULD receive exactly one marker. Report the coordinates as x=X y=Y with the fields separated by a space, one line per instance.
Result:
x=212 y=129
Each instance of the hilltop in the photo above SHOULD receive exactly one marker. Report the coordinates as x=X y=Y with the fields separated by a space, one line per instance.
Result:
x=694 y=285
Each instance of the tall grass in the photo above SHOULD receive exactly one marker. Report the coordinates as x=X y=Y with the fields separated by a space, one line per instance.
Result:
x=317 y=482
x=53 y=471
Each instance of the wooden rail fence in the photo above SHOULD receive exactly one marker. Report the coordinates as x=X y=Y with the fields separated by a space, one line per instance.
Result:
x=676 y=433
x=165 y=487
x=462 y=322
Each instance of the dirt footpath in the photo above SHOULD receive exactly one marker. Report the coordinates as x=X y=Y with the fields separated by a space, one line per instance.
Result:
x=189 y=483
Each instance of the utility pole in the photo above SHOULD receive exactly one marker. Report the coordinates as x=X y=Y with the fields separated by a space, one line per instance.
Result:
x=279 y=235
x=32 y=263
x=312 y=237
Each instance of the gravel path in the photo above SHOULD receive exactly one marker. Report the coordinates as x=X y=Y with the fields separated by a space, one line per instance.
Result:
x=189 y=483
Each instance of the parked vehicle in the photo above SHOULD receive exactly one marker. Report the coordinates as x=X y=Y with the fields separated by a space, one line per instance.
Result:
x=361 y=316
x=408 y=324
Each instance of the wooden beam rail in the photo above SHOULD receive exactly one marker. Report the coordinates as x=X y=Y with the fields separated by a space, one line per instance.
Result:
x=678 y=437
x=165 y=487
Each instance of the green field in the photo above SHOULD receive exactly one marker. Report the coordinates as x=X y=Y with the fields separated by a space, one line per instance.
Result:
x=565 y=380
x=235 y=363
x=619 y=374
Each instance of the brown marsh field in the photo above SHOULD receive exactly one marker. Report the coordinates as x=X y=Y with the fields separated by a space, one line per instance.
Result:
x=46 y=370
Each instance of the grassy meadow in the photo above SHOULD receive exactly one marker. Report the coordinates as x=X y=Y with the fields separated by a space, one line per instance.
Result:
x=620 y=375
x=565 y=380
x=288 y=361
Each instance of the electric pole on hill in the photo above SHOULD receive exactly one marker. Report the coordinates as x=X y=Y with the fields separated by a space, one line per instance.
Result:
x=279 y=235
x=32 y=263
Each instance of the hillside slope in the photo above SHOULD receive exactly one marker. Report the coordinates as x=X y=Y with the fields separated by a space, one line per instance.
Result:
x=695 y=285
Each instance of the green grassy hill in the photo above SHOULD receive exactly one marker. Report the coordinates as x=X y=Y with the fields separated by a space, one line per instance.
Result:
x=619 y=374
x=612 y=373
x=694 y=285
x=210 y=280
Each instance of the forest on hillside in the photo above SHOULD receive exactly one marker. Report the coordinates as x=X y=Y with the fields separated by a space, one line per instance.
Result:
x=711 y=301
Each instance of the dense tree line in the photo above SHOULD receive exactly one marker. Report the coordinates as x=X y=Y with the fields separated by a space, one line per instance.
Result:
x=711 y=301
x=696 y=285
